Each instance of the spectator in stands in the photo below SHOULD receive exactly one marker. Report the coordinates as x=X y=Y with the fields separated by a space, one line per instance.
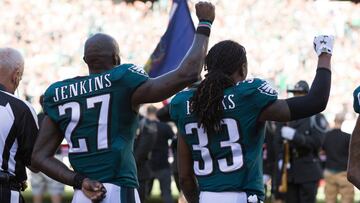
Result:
x=336 y=147
x=63 y=25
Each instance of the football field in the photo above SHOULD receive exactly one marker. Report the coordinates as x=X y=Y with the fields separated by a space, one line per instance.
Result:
x=155 y=197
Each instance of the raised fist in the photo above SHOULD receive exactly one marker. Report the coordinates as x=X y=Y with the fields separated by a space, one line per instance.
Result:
x=356 y=104
x=324 y=44
x=205 y=11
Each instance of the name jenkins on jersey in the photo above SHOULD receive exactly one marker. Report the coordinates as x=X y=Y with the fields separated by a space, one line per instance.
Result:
x=95 y=115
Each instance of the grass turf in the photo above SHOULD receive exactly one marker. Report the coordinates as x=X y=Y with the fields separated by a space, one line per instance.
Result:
x=155 y=197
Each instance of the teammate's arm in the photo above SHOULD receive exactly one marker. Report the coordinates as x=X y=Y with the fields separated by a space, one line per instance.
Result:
x=186 y=174
x=47 y=143
x=353 y=170
x=316 y=100
x=188 y=72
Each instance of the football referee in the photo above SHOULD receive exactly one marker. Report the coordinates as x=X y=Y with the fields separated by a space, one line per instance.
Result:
x=18 y=129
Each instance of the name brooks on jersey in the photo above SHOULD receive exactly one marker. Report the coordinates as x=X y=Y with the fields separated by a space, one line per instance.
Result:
x=82 y=87
x=227 y=103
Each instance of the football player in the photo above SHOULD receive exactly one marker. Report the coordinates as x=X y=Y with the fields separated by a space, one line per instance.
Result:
x=97 y=115
x=353 y=171
x=222 y=124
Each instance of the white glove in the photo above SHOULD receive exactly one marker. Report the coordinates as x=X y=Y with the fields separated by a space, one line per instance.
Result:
x=288 y=133
x=323 y=44
x=253 y=199
x=266 y=179
x=280 y=165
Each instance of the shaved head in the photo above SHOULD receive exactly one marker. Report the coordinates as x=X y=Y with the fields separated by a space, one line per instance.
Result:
x=10 y=59
x=101 y=51
x=11 y=68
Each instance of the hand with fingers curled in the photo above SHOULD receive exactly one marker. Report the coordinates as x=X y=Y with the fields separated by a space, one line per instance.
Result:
x=94 y=190
x=324 y=44
x=205 y=11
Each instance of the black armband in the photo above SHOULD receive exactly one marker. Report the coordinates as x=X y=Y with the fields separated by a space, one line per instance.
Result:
x=78 y=180
x=204 y=27
x=316 y=100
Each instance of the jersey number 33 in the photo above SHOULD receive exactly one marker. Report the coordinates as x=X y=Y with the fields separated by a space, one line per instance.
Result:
x=202 y=147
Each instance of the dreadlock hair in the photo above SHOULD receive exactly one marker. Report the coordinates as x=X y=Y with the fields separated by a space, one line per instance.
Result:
x=222 y=61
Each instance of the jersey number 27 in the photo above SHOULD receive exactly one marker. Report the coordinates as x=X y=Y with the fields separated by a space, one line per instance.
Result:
x=102 y=134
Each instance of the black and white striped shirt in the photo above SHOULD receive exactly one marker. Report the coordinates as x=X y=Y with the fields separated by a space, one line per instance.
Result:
x=18 y=132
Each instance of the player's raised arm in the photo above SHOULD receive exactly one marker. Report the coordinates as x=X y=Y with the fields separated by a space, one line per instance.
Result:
x=188 y=72
x=353 y=170
x=316 y=100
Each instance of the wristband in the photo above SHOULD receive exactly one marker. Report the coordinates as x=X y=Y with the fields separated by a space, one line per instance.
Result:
x=204 y=27
x=78 y=180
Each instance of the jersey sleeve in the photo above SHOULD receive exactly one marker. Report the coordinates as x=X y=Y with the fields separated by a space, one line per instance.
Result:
x=173 y=109
x=134 y=76
x=264 y=94
x=49 y=105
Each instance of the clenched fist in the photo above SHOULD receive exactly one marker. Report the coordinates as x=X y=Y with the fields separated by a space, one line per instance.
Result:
x=205 y=11
x=324 y=44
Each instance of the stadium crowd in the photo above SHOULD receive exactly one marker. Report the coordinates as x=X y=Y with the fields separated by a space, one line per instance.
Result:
x=276 y=35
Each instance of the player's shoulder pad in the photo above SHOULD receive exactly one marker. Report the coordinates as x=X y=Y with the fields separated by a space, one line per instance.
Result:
x=320 y=123
x=356 y=103
x=261 y=86
x=179 y=101
x=181 y=96
x=50 y=91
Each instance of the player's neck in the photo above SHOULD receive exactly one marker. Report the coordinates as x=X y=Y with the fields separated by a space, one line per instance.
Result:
x=238 y=78
x=99 y=68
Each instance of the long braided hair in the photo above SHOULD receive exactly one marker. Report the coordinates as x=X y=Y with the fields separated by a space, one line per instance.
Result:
x=222 y=61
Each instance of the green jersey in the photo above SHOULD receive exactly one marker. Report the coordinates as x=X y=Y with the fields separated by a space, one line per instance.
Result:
x=95 y=115
x=230 y=160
